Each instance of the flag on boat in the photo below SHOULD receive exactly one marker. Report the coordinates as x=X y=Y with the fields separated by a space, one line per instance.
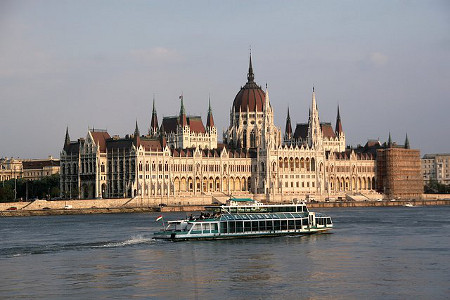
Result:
x=158 y=218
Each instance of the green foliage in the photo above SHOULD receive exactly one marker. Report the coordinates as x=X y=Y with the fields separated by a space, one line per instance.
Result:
x=434 y=187
x=45 y=188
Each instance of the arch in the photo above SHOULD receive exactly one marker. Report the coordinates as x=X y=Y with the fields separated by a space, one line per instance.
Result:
x=359 y=183
x=302 y=163
x=364 y=184
x=217 y=184
x=373 y=183
x=190 y=184
x=280 y=161
x=297 y=163
x=347 y=183
x=274 y=167
x=224 y=184
x=183 y=185
x=369 y=183
x=313 y=164
x=249 y=184
x=308 y=166
x=244 y=183
x=231 y=183
x=176 y=184
x=353 y=183
x=211 y=185
x=286 y=163
x=237 y=184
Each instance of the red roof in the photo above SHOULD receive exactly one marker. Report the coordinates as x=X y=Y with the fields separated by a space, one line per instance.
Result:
x=251 y=96
x=169 y=124
x=327 y=130
x=100 y=138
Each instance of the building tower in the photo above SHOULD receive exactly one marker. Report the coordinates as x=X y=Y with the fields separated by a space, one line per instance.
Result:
x=154 y=128
x=314 y=129
x=288 y=130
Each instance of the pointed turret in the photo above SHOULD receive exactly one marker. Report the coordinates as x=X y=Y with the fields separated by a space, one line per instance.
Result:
x=288 y=131
x=314 y=129
x=389 y=140
x=250 y=75
x=136 y=137
x=67 y=139
x=407 y=142
x=154 y=123
x=182 y=118
x=338 y=128
x=209 y=119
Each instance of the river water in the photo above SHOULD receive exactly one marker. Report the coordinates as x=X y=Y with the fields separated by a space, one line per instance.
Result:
x=373 y=252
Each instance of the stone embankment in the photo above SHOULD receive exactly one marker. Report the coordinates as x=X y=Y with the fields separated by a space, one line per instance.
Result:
x=134 y=205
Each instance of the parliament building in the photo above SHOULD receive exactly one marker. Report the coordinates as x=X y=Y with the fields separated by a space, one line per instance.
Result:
x=181 y=158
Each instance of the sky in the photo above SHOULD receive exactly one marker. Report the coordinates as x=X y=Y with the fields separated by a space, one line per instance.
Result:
x=99 y=64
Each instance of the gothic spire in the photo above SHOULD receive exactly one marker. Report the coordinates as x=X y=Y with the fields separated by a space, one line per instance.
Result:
x=288 y=131
x=338 y=128
x=250 y=75
x=182 y=117
x=389 y=140
x=209 y=119
x=136 y=130
x=136 y=137
x=407 y=142
x=154 y=122
x=67 y=139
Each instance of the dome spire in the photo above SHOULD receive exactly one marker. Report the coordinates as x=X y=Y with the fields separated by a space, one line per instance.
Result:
x=250 y=75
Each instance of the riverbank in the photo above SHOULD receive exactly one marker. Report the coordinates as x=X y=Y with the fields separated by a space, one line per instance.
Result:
x=46 y=211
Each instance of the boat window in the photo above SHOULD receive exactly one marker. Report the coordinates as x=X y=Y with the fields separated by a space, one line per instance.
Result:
x=214 y=227
x=305 y=221
x=197 y=227
x=276 y=225
x=247 y=226
x=269 y=225
x=232 y=226
x=329 y=221
x=255 y=226
x=206 y=227
x=291 y=225
x=283 y=225
x=223 y=227
x=262 y=225
x=239 y=226
x=298 y=224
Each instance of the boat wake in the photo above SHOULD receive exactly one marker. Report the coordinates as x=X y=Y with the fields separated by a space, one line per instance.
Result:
x=135 y=240
x=53 y=248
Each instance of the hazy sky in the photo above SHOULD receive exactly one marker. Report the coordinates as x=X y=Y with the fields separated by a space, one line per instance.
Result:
x=99 y=63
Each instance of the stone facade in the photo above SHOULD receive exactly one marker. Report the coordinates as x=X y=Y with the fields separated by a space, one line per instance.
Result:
x=181 y=157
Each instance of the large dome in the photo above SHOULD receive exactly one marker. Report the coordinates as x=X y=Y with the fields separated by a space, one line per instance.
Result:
x=250 y=96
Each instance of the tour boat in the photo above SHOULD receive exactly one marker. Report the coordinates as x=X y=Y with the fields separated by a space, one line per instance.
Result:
x=246 y=218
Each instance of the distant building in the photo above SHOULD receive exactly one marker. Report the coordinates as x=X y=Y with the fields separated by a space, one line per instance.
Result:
x=10 y=168
x=181 y=157
x=29 y=169
x=399 y=171
x=436 y=167
x=34 y=169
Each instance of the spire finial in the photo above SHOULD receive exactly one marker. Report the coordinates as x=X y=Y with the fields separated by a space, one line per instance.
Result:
x=389 y=140
x=136 y=130
x=407 y=146
x=67 y=139
x=250 y=75
x=338 y=128
x=209 y=118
